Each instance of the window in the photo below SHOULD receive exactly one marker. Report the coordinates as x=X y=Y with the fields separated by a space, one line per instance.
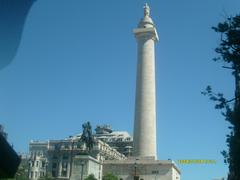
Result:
x=64 y=169
x=37 y=164
x=31 y=176
x=155 y=172
x=64 y=166
x=65 y=156
x=43 y=164
x=54 y=174
x=136 y=178
x=54 y=165
x=64 y=173
x=66 y=146
x=35 y=174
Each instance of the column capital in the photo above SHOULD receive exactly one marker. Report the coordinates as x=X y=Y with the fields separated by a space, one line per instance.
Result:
x=149 y=33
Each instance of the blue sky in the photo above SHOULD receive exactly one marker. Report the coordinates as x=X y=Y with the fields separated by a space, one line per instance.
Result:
x=77 y=63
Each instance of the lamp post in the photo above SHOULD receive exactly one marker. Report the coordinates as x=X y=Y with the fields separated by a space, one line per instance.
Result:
x=46 y=169
x=156 y=173
x=135 y=171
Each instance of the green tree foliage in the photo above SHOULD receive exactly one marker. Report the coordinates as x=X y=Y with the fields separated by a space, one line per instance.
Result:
x=229 y=53
x=110 y=176
x=22 y=172
x=91 y=177
x=48 y=176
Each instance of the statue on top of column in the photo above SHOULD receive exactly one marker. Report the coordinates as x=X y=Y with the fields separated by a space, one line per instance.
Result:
x=146 y=10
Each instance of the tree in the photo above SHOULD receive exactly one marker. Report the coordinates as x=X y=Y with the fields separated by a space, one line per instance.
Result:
x=90 y=177
x=47 y=177
x=22 y=172
x=110 y=176
x=229 y=53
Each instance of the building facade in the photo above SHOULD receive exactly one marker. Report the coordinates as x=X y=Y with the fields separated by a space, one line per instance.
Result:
x=59 y=158
x=119 y=140
x=142 y=169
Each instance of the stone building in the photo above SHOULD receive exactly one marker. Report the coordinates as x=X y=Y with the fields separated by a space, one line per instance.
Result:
x=119 y=140
x=142 y=169
x=62 y=159
x=38 y=159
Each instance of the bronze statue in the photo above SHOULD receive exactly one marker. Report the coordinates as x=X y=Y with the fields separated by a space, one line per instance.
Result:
x=87 y=136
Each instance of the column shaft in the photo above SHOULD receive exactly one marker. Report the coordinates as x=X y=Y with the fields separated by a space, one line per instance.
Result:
x=145 y=103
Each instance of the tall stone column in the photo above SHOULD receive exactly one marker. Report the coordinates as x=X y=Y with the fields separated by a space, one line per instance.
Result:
x=145 y=103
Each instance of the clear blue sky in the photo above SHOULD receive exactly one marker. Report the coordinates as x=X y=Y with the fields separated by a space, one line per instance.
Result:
x=77 y=63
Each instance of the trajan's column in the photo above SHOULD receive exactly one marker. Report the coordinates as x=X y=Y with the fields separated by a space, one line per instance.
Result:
x=144 y=137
